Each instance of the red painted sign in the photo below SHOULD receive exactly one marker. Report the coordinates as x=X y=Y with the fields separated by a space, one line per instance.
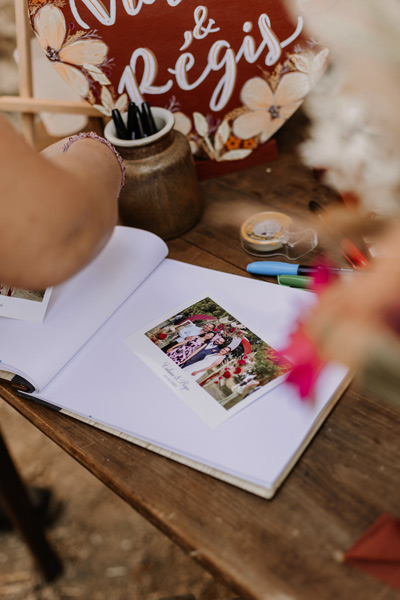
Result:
x=231 y=71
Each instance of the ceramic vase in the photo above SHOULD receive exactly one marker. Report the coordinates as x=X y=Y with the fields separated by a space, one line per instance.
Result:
x=161 y=192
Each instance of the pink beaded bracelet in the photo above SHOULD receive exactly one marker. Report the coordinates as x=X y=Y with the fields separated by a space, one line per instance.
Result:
x=94 y=136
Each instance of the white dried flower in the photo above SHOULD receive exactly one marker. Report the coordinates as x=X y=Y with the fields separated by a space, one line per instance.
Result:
x=355 y=131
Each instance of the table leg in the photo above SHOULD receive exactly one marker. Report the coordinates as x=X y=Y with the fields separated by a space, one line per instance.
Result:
x=16 y=502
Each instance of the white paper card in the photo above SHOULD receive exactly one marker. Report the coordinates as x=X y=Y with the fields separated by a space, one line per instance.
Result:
x=25 y=305
x=209 y=358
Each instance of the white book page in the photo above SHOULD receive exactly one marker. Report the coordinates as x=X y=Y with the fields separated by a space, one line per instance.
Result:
x=108 y=383
x=78 y=307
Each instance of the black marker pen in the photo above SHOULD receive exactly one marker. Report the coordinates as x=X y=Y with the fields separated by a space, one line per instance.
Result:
x=135 y=127
x=120 y=128
x=148 y=120
x=132 y=121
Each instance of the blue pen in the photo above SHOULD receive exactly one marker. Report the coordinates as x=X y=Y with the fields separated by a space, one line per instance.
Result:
x=274 y=268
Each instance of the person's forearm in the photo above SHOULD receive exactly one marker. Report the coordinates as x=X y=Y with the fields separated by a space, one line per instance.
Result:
x=58 y=208
x=97 y=177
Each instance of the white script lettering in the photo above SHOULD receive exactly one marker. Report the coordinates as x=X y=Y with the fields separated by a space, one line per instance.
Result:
x=221 y=58
x=98 y=10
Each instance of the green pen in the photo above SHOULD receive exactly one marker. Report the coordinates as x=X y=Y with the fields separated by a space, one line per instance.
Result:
x=296 y=281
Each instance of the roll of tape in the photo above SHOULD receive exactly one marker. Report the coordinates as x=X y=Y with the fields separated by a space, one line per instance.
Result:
x=263 y=233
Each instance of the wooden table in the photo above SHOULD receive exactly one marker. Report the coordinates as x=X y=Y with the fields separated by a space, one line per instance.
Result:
x=289 y=547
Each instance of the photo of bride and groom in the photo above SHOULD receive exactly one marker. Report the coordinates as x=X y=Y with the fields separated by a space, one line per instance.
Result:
x=215 y=349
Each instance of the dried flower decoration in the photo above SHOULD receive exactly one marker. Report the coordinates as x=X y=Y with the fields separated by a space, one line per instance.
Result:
x=355 y=133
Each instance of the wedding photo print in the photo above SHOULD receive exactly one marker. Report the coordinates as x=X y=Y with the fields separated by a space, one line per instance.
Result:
x=26 y=305
x=13 y=292
x=214 y=349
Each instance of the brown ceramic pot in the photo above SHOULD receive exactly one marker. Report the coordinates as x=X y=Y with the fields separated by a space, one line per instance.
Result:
x=161 y=192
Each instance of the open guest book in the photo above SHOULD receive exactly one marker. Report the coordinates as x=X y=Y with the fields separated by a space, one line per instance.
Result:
x=109 y=353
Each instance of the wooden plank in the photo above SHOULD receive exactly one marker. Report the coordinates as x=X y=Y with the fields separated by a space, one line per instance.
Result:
x=23 y=34
x=24 y=67
x=290 y=546
x=36 y=105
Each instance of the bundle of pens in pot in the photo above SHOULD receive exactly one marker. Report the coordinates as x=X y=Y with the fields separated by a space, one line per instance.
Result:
x=161 y=191
x=139 y=124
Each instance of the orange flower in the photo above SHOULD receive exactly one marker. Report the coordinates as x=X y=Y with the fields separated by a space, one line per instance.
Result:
x=233 y=143
x=250 y=143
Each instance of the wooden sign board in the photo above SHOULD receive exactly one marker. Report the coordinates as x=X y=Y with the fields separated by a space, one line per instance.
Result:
x=232 y=72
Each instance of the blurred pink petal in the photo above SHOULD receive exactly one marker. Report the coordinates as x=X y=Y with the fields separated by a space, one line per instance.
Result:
x=304 y=356
x=303 y=377
x=323 y=277
x=301 y=350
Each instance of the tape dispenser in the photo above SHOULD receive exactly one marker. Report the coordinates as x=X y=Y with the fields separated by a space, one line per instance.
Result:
x=275 y=234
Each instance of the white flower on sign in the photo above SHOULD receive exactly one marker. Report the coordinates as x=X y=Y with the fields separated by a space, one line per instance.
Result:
x=201 y=125
x=222 y=135
x=97 y=74
x=311 y=64
x=51 y=31
x=202 y=128
x=108 y=103
x=268 y=109
x=184 y=125
x=215 y=146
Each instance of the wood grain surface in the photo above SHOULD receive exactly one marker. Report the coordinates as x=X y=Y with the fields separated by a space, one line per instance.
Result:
x=290 y=547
